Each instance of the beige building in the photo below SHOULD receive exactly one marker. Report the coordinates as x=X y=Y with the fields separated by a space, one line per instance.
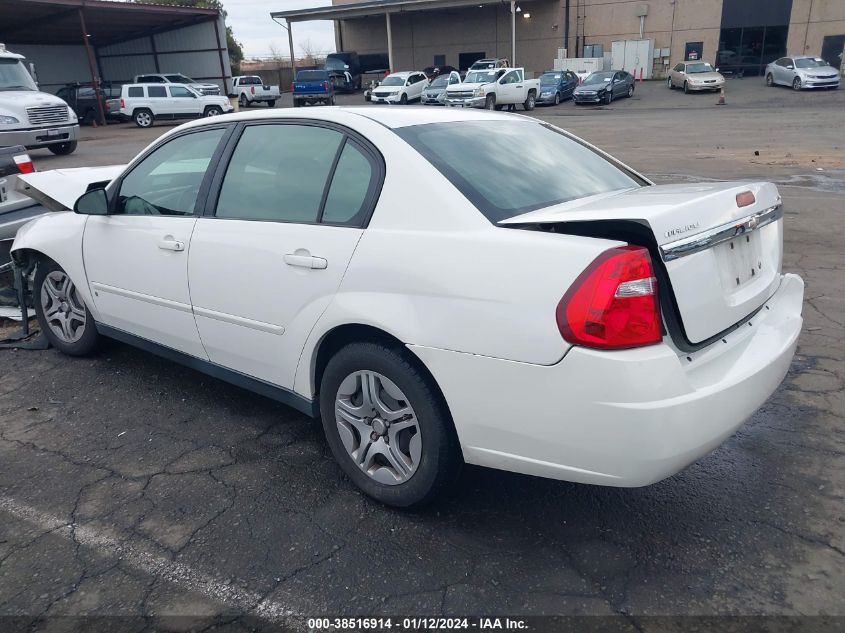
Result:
x=736 y=35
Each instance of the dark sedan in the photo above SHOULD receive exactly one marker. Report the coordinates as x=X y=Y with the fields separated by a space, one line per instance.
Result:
x=556 y=86
x=604 y=87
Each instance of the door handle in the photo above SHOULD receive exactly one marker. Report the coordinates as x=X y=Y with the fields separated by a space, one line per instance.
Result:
x=305 y=261
x=519 y=86
x=169 y=244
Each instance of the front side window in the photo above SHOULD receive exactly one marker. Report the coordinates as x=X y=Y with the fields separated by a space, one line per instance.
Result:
x=516 y=167
x=278 y=172
x=181 y=92
x=167 y=181
x=156 y=92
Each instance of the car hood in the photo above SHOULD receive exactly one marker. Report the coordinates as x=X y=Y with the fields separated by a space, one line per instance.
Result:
x=461 y=87
x=815 y=72
x=592 y=87
x=58 y=189
x=29 y=98
x=705 y=76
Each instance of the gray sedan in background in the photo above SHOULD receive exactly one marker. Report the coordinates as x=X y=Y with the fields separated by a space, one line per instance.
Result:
x=800 y=72
x=435 y=92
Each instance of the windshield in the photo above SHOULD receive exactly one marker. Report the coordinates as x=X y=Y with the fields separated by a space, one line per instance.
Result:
x=14 y=76
x=334 y=63
x=508 y=168
x=701 y=67
x=179 y=79
x=393 y=80
x=440 y=82
x=598 y=78
x=550 y=78
x=480 y=76
x=810 y=62
x=483 y=65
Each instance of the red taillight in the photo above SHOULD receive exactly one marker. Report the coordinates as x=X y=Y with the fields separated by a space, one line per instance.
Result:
x=293 y=87
x=24 y=163
x=122 y=104
x=745 y=199
x=613 y=303
x=326 y=86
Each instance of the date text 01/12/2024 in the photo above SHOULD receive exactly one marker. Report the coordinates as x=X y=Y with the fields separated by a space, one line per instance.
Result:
x=416 y=624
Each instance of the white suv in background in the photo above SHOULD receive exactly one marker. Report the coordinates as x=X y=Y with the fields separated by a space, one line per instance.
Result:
x=144 y=103
x=400 y=88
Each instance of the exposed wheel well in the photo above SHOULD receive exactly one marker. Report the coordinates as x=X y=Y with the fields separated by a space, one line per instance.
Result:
x=343 y=335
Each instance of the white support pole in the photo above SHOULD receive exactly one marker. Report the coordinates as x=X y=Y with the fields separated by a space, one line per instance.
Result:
x=292 y=54
x=389 y=42
x=513 y=32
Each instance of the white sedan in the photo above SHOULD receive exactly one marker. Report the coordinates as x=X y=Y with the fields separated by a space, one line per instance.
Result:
x=542 y=309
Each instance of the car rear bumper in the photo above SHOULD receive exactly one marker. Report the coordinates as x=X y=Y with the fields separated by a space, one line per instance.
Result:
x=621 y=418
x=40 y=137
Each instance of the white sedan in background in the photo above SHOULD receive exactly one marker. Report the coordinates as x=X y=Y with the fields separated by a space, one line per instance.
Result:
x=542 y=309
x=803 y=71
x=400 y=88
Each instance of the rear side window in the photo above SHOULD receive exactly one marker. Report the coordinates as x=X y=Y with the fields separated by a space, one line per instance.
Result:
x=135 y=91
x=156 y=92
x=508 y=168
x=279 y=172
x=346 y=202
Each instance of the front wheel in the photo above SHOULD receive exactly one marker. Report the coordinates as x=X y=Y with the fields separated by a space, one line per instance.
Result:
x=608 y=97
x=62 y=315
x=271 y=103
x=62 y=149
x=796 y=83
x=630 y=91
x=770 y=81
x=686 y=88
x=387 y=425
x=530 y=102
x=213 y=111
x=670 y=84
x=490 y=102
x=403 y=100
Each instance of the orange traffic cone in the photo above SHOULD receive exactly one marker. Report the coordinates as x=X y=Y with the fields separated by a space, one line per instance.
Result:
x=721 y=100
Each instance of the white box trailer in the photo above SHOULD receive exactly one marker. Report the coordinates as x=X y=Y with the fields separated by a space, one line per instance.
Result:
x=634 y=56
x=581 y=66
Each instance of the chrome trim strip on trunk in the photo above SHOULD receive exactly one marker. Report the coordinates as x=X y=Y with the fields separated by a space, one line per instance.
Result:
x=717 y=235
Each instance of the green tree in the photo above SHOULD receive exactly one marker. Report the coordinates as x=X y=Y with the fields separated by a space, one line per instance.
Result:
x=236 y=53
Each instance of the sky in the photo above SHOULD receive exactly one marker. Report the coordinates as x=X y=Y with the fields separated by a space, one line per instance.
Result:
x=251 y=23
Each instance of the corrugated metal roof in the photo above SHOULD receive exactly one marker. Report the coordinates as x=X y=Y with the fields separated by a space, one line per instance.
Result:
x=374 y=7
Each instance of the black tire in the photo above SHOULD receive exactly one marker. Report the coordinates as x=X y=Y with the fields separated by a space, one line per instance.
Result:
x=403 y=100
x=440 y=459
x=530 y=102
x=63 y=149
x=243 y=102
x=608 y=97
x=669 y=83
x=770 y=81
x=332 y=101
x=796 y=83
x=90 y=339
x=296 y=103
x=557 y=98
x=213 y=111
x=630 y=91
x=143 y=118
x=490 y=103
x=271 y=103
x=686 y=88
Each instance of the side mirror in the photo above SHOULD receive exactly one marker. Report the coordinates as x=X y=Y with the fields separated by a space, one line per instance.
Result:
x=94 y=202
x=789 y=67
x=717 y=70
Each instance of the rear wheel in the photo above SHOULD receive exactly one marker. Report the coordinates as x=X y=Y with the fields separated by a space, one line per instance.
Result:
x=387 y=425
x=271 y=103
x=143 y=118
x=62 y=315
x=530 y=102
x=243 y=101
x=796 y=83
x=62 y=149
x=770 y=81
x=213 y=111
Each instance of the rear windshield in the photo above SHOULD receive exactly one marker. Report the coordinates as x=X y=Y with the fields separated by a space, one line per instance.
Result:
x=312 y=75
x=507 y=168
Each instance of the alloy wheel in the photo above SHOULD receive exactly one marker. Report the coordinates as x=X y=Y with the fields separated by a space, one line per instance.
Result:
x=378 y=427
x=143 y=119
x=63 y=309
x=796 y=84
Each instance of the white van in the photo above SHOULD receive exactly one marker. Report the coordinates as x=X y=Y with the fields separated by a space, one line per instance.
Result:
x=30 y=117
x=144 y=103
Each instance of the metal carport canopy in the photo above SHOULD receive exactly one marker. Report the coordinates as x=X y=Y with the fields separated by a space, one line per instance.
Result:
x=385 y=8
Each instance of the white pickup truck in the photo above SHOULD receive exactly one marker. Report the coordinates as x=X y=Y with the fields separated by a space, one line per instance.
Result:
x=251 y=89
x=29 y=117
x=494 y=89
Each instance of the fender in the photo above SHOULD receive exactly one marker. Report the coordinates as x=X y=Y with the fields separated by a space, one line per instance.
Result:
x=57 y=235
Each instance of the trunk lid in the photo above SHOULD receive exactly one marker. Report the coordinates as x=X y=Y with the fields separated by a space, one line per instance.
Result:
x=723 y=260
x=58 y=189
